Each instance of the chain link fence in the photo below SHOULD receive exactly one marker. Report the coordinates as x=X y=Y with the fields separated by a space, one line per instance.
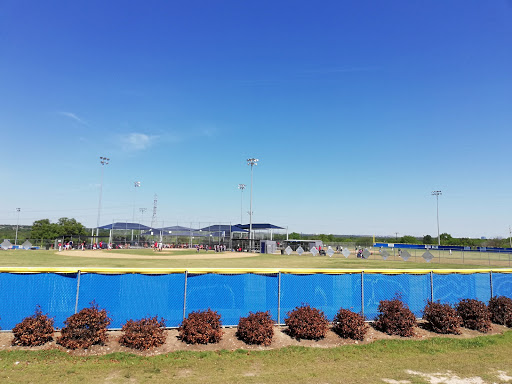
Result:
x=233 y=295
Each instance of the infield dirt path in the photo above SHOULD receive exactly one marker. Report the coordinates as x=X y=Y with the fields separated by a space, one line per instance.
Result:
x=164 y=255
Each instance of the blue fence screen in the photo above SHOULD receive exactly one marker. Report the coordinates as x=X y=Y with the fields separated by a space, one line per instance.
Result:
x=173 y=296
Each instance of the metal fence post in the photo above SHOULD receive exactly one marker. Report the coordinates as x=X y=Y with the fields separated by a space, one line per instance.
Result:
x=431 y=286
x=362 y=293
x=77 y=290
x=490 y=281
x=185 y=295
x=279 y=298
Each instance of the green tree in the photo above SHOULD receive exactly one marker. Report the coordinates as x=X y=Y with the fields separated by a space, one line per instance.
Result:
x=294 y=236
x=446 y=239
x=497 y=242
x=427 y=239
x=70 y=227
x=364 y=241
x=43 y=229
x=408 y=240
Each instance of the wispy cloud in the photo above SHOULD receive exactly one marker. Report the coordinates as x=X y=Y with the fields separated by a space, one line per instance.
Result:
x=137 y=141
x=74 y=117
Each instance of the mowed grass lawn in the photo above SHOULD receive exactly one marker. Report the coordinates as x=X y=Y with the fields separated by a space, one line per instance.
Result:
x=483 y=359
x=43 y=258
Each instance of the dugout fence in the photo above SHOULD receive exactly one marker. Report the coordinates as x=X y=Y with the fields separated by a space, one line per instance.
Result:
x=233 y=293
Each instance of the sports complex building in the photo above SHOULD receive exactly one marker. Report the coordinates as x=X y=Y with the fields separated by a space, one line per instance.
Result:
x=238 y=236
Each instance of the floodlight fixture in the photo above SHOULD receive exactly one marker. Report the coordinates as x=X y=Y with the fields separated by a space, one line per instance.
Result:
x=437 y=194
x=136 y=184
x=17 y=225
x=252 y=162
x=103 y=161
x=241 y=187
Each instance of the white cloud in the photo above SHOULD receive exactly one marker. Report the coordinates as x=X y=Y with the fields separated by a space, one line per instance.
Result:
x=137 y=141
x=74 y=117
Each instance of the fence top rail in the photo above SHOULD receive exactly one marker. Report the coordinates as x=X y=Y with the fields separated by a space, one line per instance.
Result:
x=234 y=271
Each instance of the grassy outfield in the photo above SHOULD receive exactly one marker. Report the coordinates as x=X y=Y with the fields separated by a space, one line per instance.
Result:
x=485 y=357
x=174 y=259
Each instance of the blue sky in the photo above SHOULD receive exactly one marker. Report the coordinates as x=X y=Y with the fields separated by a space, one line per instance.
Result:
x=356 y=110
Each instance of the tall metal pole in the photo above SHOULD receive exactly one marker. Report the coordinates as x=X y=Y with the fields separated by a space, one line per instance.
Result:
x=142 y=210
x=252 y=162
x=103 y=161
x=436 y=194
x=17 y=225
x=136 y=184
x=241 y=187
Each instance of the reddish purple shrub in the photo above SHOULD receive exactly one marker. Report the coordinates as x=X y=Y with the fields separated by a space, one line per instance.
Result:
x=85 y=328
x=201 y=328
x=257 y=328
x=475 y=315
x=307 y=323
x=143 y=334
x=33 y=330
x=395 y=318
x=443 y=318
x=501 y=310
x=349 y=325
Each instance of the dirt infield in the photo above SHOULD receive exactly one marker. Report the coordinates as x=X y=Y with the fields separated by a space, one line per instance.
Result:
x=164 y=255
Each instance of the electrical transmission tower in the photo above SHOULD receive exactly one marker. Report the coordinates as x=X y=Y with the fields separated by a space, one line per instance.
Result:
x=153 y=219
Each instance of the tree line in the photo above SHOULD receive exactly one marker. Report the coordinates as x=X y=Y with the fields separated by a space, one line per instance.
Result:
x=446 y=239
x=66 y=227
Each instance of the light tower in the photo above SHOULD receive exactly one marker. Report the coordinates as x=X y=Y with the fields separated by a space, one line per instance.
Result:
x=103 y=161
x=252 y=162
x=153 y=219
x=241 y=187
x=136 y=184
x=17 y=225
x=436 y=194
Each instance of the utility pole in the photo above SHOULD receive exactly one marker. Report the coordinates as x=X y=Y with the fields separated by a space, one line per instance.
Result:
x=241 y=187
x=103 y=161
x=153 y=219
x=437 y=194
x=136 y=185
x=17 y=225
x=252 y=162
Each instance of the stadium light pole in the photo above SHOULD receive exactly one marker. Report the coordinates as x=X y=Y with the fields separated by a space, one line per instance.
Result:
x=252 y=162
x=17 y=225
x=241 y=187
x=142 y=210
x=103 y=161
x=436 y=194
x=136 y=185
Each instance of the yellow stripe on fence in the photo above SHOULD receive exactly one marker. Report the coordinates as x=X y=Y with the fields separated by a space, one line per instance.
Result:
x=263 y=271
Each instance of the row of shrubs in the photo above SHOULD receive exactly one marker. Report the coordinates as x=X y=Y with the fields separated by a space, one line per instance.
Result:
x=89 y=326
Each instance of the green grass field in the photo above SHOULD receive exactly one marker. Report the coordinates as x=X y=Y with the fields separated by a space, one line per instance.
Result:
x=42 y=258
x=478 y=360
x=484 y=359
